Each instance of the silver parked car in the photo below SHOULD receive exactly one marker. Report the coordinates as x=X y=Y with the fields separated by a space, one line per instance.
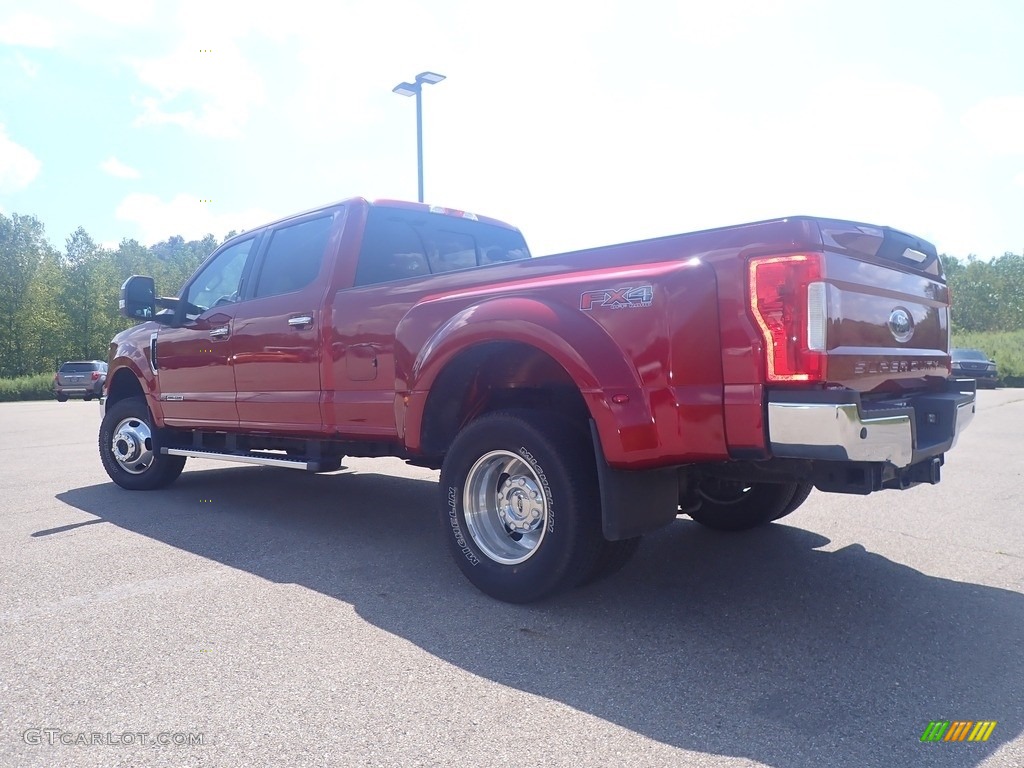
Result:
x=80 y=378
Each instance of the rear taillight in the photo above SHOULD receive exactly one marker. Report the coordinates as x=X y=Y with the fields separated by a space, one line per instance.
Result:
x=789 y=303
x=96 y=375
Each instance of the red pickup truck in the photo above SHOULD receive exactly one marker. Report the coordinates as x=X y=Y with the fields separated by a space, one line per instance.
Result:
x=572 y=402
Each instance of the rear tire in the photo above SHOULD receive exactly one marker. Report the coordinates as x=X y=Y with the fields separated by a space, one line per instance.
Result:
x=519 y=505
x=62 y=398
x=727 y=505
x=803 y=490
x=130 y=450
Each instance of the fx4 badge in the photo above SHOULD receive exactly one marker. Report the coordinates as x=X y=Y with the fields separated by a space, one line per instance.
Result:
x=618 y=298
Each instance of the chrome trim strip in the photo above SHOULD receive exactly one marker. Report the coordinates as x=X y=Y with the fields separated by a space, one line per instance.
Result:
x=241 y=459
x=153 y=362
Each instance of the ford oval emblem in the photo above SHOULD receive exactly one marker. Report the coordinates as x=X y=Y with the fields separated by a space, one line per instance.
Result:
x=901 y=325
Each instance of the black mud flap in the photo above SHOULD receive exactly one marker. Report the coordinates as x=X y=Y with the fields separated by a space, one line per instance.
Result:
x=634 y=503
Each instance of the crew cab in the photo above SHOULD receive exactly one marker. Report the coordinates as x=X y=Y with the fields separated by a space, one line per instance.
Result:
x=572 y=402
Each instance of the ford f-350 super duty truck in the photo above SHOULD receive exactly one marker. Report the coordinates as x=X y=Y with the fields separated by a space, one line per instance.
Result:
x=572 y=402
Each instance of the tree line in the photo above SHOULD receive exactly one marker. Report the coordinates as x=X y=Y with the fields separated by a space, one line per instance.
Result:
x=58 y=305
x=987 y=295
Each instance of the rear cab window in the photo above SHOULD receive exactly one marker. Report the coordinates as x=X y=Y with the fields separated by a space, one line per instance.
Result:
x=398 y=244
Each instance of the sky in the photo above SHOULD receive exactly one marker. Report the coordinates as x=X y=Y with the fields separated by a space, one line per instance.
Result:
x=581 y=123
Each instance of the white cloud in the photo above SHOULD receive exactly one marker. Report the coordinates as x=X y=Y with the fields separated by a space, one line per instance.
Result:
x=120 y=12
x=30 y=68
x=996 y=124
x=26 y=30
x=115 y=167
x=184 y=215
x=1019 y=179
x=856 y=112
x=18 y=166
x=214 y=94
x=205 y=93
x=712 y=24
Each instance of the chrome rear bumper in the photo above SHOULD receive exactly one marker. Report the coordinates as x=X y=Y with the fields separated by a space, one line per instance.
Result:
x=837 y=426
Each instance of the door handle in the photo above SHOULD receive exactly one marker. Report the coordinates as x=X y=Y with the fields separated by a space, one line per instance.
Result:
x=220 y=333
x=301 y=320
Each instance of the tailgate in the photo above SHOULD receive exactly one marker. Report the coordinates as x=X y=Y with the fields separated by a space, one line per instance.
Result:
x=888 y=309
x=74 y=378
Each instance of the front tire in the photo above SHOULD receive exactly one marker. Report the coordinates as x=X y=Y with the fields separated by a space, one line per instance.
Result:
x=728 y=505
x=130 y=451
x=520 y=510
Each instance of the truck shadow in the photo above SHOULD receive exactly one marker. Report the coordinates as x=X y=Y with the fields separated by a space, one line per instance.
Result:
x=756 y=645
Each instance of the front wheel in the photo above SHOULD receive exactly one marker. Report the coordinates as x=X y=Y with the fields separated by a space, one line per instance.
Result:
x=730 y=505
x=129 y=450
x=519 y=508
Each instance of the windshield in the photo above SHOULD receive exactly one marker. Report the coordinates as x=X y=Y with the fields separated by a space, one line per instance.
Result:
x=78 y=367
x=969 y=354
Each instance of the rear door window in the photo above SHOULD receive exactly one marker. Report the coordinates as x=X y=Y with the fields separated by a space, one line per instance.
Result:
x=294 y=256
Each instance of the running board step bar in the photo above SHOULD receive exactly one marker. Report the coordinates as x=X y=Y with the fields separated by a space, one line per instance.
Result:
x=257 y=457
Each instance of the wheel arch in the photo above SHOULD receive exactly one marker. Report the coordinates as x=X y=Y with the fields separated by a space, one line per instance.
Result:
x=511 y=352
x=127 y=380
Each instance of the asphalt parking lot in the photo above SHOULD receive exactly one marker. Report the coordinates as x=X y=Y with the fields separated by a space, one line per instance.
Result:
x=253 y=616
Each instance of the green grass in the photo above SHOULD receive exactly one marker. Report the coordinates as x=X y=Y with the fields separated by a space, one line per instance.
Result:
x=38 y=387
x=1005 y=347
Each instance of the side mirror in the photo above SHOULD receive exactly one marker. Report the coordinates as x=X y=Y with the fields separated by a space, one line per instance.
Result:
x=138 y=298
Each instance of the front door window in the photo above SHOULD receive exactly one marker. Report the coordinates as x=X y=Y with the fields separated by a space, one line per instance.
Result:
x=220 y=281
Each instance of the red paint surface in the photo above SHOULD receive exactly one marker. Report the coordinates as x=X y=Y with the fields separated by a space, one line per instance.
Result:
x=691 y=363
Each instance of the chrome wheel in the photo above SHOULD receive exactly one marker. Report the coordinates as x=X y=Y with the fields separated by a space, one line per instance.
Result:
x=506 y=508
x=132 y=446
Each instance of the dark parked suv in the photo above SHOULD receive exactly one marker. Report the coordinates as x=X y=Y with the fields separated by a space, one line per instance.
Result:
x=974 y=364
x=80 y=378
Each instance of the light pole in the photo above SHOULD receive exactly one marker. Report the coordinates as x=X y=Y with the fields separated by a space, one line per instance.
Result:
x=416 y=89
